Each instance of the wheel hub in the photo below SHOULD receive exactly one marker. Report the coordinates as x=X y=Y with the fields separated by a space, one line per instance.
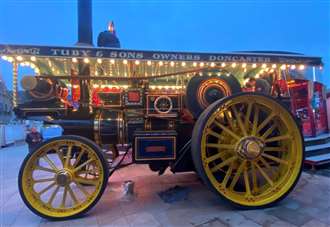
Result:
x=250 y=147
x=63 y=178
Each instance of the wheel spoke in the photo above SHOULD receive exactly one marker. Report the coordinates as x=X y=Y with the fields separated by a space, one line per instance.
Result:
x=213 y=133
x=78 y=158
x=265 y=122
x=278 y=138
x=73 y=196
x=237 y=175
x=50 y=162
x=255 y=121
x=221 y=146
x=45 y=169
x=68 y=157
x=266 y=164
x=52 y=197
x=224 y=163
x=269 y=131
x=224 y=128
x=86 y=181
x=228 y=175
x=247 y=181
x=254 y=178
x=87 y=172
x=229 y=118
x=64 y=197
x=239 y=120
x=60 y=156
x=279 y=149
x=44 y=180
x=278 y=160
x=81 y=188
x=247 y=115
x=84 y=164
x=215 y=157
x=264 y=174
x=47 y=188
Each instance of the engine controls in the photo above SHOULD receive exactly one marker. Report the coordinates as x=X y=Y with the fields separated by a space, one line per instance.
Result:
x=163 y=105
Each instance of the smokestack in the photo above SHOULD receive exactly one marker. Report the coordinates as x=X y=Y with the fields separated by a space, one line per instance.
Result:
x=85 y=31
x=85 y=38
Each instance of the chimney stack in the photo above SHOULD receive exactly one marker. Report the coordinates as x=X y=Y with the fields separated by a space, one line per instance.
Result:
x=85 y=30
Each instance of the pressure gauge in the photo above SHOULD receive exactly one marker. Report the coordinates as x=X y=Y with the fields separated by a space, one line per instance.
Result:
x=163 y=104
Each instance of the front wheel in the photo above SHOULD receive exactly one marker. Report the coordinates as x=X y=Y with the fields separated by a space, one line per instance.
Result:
x=63 y=178
x=248 y=149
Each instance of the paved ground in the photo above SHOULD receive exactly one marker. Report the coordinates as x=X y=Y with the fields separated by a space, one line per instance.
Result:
x=307 y=205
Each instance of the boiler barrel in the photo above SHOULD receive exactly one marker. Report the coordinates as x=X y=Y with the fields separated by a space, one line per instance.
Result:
x=109 y=127
x=105 y=127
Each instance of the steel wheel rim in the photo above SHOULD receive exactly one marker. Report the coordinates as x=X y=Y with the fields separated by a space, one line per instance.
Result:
x=241 y=178
x=58 y=187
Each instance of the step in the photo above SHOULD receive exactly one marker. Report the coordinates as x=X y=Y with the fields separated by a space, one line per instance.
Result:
x=318 y=147
x=320 y=139
x=318 y=159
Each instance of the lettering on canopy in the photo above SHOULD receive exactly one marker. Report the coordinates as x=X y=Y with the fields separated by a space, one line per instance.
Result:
x=83 y=52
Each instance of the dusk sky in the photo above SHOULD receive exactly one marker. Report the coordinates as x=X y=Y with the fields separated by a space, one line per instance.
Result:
x=186 y=25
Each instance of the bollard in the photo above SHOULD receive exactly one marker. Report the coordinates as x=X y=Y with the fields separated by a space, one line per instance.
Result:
x=128 y=190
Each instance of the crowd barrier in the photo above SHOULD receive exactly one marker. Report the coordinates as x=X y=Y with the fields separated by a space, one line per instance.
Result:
x=12 y=133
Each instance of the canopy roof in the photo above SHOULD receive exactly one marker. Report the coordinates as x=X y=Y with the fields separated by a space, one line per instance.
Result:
x=58 y=61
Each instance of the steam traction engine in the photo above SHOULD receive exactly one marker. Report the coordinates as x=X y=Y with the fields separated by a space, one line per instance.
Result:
x=183 y=115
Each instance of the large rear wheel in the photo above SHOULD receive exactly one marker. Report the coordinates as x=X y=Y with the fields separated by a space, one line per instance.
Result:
x=63 y=178
x=248 y=149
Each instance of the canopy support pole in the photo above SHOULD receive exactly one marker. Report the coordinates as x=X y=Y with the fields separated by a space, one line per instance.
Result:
x=314 y=74
x=15 y=87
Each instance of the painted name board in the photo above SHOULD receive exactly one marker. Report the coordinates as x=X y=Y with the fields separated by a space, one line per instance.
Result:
x=82 y=52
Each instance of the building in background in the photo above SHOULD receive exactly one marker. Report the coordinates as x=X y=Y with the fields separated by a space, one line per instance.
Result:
x=6 y=113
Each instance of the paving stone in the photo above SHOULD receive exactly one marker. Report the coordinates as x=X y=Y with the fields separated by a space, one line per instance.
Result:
x=310 y=210
x=199 y=215
x=236 y=219
x=323 y=217
x=281 y=224
x=26 y=219
x=47 y=223
x=322 y=203
x=258 y=217
x=11 y=210
x=142 y=219
x=304 y=198
x=121 y=222
x=215 y=222
x=154 y=204
x=291 y=203
x=315 y=223
x=107 y=212
x=289 y=215
x=89 y=221
x=175 y=217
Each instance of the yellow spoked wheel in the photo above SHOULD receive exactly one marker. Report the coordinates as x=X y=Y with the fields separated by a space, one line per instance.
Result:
x=249 y=149
x=63 y=178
